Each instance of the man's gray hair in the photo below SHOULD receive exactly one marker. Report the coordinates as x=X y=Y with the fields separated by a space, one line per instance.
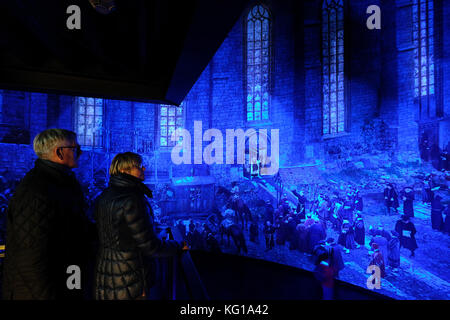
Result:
x=47 y=140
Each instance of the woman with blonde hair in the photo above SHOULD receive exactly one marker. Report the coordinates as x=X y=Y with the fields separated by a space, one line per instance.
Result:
x=126 y=233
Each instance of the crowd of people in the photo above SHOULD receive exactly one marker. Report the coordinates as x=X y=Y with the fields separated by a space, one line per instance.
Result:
x=48 y=229
x=328 y=227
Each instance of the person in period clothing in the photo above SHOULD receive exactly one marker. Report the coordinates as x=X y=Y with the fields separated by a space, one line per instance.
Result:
x=309 y=220
x=408 y=198
x=428 y=186
x=212 y=244
x=406 y=229
x=324 y=273
x=390 y=198
x=360 y=232
x=191 y=225
x=195 y=237
x=316 y=233
x=246 y=214
x=335 y=253
x=346 y=237
x=378 y=259
x=281 y=232
x=292 y=234
x=318 y=251
x=337 y=217
x=446 y=228
x=302 y=236
x=348 y=209
x=382 y=245
x=436 y=213
x=394 y=251
x=253 y=230
x=284 y=205
x=268 y=211
x=424 y=147
x=268 y=235
x=181 y=228
x=241 y=212
x=358 y=202
x=301 y=205
x=205 y=230
x=296 y=217
x=322 y=208
x=435 y=153
x=380 y=231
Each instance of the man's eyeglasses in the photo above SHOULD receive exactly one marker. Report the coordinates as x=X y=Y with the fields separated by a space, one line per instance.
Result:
x=76 y=149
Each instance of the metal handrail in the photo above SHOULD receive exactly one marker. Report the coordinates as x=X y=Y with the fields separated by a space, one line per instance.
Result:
x=185 y=268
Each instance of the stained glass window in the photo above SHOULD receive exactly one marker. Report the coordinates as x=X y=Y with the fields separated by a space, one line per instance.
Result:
x=89 y=121
x=171 y=118
x=258 y=63
x=333 y=66
x=423 y=35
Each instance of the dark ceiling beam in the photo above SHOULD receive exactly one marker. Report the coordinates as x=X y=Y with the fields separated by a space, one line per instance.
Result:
x=146 y=50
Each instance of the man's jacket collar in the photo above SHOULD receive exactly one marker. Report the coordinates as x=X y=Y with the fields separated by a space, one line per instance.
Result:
x=56 y=170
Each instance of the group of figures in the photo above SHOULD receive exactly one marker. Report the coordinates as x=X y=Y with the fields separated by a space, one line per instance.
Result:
x=429 y=196
x=312 y=227
x=430 y=152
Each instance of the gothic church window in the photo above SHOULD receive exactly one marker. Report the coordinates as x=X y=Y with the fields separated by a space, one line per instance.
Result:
x=170 y=119
x=333 y=67
x=89 y=121
x=258 y=57
x=423 y=35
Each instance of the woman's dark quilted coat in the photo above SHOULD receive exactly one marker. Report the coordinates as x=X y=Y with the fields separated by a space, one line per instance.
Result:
x=47 y=231
x=126 y=238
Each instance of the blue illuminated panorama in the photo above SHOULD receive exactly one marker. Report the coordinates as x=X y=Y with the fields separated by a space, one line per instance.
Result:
x=333 y=66
x=258 y=63
x=423 y=34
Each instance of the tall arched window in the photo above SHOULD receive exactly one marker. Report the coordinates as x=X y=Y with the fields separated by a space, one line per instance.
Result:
x=333 y=66
x=89 y=121
x=423 y=35
x=170 y=119
x=258 y=44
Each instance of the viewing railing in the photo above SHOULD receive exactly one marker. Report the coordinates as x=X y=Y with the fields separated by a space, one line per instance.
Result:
x=180 y=279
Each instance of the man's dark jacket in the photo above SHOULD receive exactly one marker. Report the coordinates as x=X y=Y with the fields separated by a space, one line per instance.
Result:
x=126 y=238
x=47 y=231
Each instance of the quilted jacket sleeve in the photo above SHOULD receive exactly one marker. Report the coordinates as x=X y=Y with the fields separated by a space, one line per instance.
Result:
x=142 y=231
x=28 y=247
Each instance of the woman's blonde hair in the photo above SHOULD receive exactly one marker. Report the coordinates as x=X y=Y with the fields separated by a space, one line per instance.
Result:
x=124 y=162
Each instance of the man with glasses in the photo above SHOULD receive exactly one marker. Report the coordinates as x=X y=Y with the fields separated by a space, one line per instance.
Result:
x=47 y=229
